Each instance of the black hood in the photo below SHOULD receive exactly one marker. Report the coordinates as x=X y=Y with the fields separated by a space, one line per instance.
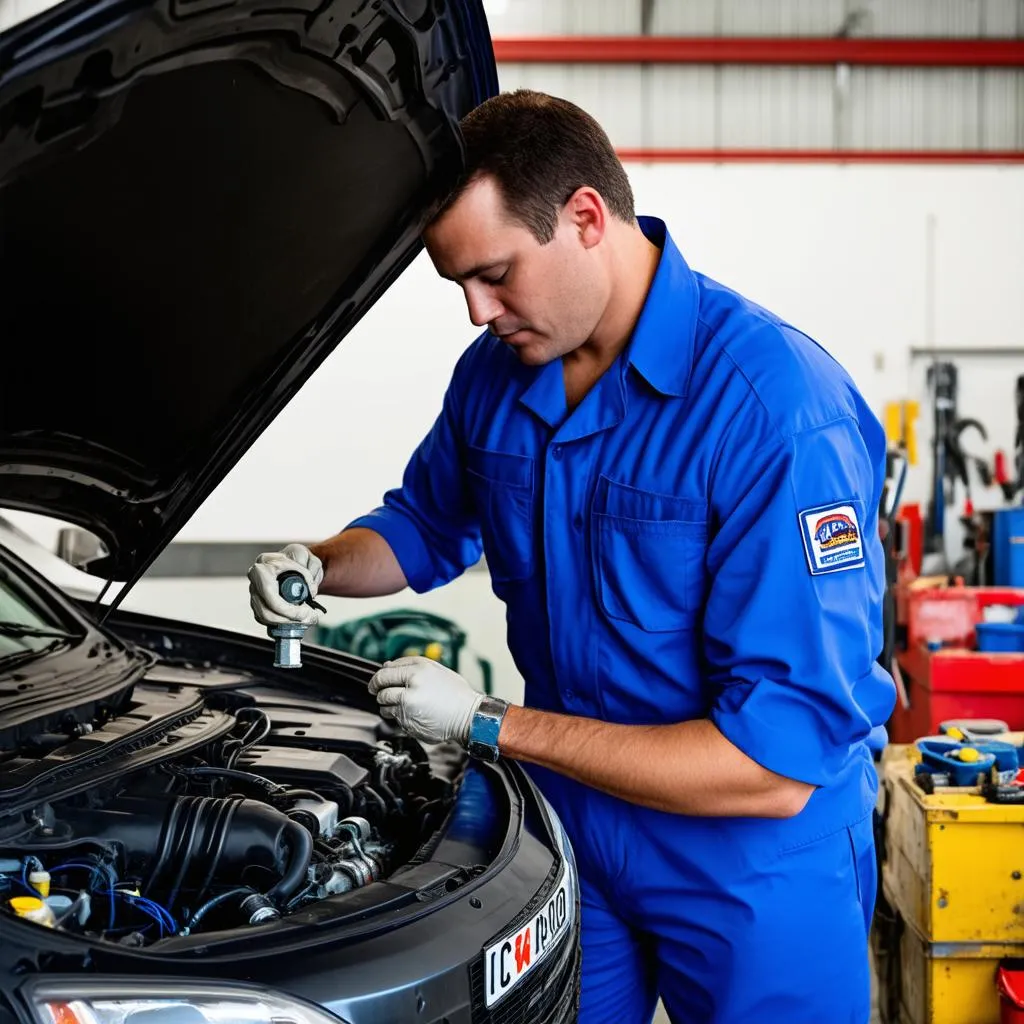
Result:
x=198 y=199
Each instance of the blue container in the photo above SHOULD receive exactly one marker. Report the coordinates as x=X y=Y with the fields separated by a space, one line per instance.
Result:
x=1000 y=636
x=1008 y=547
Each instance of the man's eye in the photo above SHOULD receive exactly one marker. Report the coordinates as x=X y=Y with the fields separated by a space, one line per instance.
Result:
x=496 y=280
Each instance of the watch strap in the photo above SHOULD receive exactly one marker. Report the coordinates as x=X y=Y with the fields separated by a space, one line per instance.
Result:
x=485 y=727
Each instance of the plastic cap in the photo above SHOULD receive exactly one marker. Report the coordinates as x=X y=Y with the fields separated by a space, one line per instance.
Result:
x=969 y=755
x=40 y=881
x=26 y=904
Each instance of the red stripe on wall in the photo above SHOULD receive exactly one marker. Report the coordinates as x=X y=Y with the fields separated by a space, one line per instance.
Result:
x=835 y=156
x=947 y=53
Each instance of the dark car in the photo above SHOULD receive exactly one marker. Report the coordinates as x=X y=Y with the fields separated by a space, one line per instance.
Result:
x=198 y=199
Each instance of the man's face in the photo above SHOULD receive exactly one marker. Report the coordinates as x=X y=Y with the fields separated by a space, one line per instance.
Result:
x=541 y=300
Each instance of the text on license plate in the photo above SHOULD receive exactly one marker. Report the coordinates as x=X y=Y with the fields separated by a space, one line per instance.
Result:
x=510 y=959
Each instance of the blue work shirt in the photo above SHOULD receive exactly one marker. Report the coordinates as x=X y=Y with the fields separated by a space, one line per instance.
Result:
x=698 y=538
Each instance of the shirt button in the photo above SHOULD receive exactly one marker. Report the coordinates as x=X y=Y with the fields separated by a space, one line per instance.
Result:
x=556 y=451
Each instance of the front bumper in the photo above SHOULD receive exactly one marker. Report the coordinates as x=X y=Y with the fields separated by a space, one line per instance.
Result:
x=547 y=995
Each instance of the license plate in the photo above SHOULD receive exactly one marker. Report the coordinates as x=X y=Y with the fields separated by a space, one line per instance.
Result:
x=510 y=959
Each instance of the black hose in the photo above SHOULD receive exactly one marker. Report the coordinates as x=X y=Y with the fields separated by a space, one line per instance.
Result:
x=170 y=830
x=235 y=773
x=216 y=901
x=186 y=844
x=380 y=781
x=220 y=829
x=301 y=843
x=375 y=797
x=299 y=794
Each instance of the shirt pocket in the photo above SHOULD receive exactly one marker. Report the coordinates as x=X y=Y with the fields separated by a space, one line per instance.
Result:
x=502 y=486
x=648 y=556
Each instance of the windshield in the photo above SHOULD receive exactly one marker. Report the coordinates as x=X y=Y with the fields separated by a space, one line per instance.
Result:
x=25 y=626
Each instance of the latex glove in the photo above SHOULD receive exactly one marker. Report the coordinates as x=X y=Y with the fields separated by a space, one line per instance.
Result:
x=268 y=606
x=427 y=700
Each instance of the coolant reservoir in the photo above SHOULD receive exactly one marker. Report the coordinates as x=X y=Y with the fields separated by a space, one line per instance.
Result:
x=33 y=909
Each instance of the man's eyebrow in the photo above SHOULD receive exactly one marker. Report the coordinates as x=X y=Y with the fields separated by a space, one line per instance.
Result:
x=476 y=271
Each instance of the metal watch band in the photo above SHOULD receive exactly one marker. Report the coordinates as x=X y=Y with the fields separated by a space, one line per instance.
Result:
x=485 y=727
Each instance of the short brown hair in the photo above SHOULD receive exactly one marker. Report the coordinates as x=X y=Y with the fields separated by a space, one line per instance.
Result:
x=540 y=149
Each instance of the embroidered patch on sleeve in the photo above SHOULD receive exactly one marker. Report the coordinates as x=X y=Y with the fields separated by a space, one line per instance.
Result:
x=832 y=538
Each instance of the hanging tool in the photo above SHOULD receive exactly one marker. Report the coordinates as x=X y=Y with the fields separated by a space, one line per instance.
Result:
x=287 y=636
x=942 y=381
x=1014 y=486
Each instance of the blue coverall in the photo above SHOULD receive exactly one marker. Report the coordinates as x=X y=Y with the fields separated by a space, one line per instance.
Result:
x=698 y=538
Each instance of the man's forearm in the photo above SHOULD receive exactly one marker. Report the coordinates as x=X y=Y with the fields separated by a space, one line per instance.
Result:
x=686 y=768
x=359 y=563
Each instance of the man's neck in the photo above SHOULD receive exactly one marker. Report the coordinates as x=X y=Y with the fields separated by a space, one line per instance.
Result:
x=635 y=263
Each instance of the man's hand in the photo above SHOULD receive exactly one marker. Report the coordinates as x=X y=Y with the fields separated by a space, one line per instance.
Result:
x=427 y=700
x=268 y=606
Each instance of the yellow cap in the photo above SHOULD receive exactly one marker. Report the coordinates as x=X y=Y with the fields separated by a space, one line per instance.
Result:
x=955 y=733
x=40 y=881
x=434 y=651
x=969 y=754
x=26 y=904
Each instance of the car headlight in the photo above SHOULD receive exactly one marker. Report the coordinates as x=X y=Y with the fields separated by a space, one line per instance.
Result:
x=128 y=1002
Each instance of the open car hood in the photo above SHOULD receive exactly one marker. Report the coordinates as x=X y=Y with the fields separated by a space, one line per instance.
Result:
x=198 y=200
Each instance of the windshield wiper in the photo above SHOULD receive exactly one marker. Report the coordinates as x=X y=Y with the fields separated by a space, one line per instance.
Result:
x=24 y=629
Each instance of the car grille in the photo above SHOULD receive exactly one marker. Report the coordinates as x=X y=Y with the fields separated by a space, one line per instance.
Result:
x=546 y=995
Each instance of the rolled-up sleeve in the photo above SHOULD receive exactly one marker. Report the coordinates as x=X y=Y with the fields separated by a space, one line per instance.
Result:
x=430 y=522
x=793 y=618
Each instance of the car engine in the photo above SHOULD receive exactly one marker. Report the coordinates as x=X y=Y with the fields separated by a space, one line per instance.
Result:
x=294 y=803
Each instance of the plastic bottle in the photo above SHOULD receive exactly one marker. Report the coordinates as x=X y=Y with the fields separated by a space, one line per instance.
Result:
x=40 y=881
x=31 y=908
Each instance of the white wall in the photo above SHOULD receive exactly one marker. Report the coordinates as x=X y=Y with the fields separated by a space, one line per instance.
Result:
x=842 y=252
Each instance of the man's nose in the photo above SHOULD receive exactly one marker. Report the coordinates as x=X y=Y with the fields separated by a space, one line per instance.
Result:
x=484 y=307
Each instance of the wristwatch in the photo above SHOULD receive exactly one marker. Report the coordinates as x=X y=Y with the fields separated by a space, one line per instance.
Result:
x=484 y=729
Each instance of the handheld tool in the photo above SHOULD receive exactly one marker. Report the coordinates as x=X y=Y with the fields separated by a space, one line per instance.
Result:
x=287 y=636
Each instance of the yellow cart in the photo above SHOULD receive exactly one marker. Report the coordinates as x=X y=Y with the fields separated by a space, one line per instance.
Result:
x=953 y=898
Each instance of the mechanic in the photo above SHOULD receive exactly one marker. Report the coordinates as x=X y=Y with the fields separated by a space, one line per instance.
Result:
x=677 y=494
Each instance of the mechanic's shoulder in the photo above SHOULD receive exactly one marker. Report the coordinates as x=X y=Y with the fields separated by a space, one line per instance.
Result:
x=788 y=377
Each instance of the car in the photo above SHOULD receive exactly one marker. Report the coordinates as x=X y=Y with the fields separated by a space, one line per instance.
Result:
x=198 y=200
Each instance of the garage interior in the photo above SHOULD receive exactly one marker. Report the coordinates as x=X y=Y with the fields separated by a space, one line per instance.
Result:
x=856 y=166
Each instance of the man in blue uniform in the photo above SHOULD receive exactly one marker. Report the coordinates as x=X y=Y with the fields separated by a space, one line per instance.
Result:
x=676 y=493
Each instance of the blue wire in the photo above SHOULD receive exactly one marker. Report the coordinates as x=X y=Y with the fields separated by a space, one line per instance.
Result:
x=166 y=914
x=150 y=908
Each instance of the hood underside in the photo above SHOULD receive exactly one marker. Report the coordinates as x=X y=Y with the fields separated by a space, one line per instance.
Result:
x=198 y=200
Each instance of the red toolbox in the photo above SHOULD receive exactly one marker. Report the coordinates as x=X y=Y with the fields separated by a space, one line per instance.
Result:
x=944 y=675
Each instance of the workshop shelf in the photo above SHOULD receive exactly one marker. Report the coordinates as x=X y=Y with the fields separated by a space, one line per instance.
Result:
x=953 y=870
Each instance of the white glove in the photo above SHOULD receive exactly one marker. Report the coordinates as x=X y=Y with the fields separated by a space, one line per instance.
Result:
x=427 y=700
x=268 y=606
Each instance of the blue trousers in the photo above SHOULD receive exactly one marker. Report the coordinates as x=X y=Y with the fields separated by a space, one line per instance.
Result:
x=723 y=919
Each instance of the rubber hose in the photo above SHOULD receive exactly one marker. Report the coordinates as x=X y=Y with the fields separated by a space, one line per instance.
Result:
x=216 y=901
x=186 y=843
x=376 y=798
x=301 y=843
x=219 y=831
x=235 y=773
x=170 y=831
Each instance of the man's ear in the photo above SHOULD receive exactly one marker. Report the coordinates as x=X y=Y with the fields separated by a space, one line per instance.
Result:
x=588 y=215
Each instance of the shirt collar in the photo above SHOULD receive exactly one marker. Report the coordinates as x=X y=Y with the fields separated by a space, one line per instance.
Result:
x=661 y=348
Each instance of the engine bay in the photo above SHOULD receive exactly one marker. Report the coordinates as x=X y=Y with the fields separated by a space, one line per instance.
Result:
x=232 y=808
